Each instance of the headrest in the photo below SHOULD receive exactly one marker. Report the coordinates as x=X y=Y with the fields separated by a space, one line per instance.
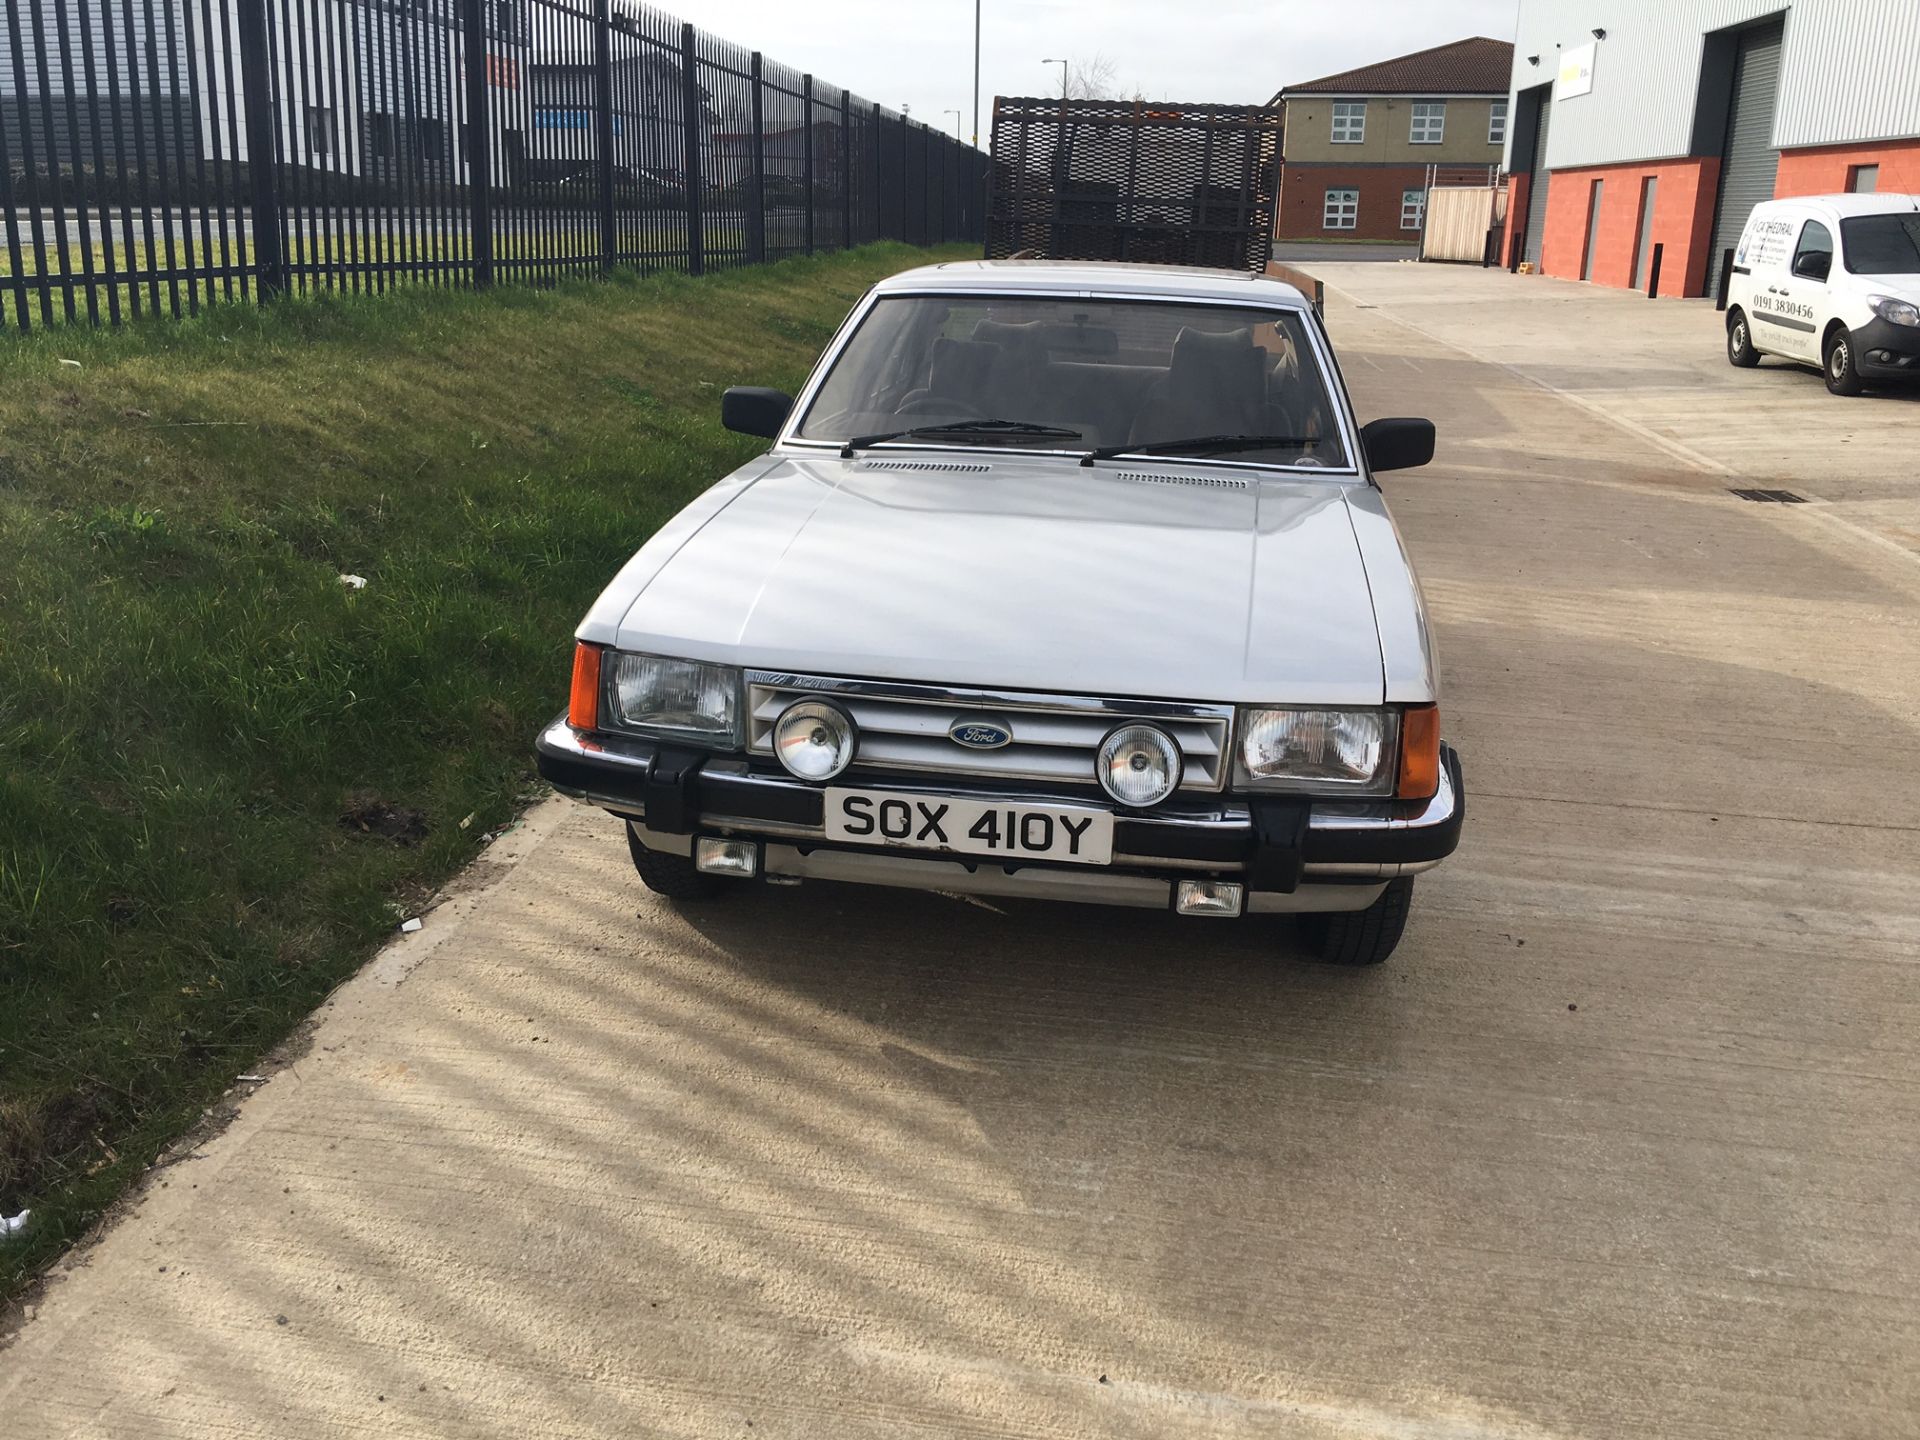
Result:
x=1217 y=347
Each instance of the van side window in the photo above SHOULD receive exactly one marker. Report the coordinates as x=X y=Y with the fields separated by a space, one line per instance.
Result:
x=1814 y=257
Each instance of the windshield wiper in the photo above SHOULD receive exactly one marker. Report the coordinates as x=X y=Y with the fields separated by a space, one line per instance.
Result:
x=1200 y=444
x=961 y=427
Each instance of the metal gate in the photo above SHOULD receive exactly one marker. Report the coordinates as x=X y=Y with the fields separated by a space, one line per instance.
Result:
x=1537 y=187
x=1750 y=163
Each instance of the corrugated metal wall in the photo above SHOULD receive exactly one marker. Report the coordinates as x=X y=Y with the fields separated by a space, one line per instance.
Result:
x=1847 y=72
x=1851 y=72
x=1646 y=72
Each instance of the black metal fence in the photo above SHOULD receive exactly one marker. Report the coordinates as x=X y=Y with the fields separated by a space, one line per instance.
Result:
x=161 y=155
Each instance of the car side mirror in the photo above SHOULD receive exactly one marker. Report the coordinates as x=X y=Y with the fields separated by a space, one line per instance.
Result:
x=755 y=410
x=1814 y=265
x=1397 y=444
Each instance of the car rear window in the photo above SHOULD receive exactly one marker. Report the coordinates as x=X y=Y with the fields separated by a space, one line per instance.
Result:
x=1112 y=372
x=1882 y=244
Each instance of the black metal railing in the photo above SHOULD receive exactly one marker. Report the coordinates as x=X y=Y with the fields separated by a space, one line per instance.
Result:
x=158 y=156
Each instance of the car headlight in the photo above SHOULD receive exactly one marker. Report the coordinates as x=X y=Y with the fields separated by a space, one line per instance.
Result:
x=1894 y=310
x=674 y=699
x=814 y=740
x=1139 y=765
x=1318 y=751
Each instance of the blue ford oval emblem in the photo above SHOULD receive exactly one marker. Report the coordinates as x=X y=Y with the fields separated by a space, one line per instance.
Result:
x=980 y=734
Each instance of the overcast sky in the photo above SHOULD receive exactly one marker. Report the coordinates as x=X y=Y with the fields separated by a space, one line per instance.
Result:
x=920 y=52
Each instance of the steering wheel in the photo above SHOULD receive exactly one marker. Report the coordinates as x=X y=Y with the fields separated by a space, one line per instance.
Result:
x=938 y=405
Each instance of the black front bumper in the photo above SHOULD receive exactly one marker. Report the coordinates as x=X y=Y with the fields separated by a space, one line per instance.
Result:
x=1271 y=843
x=1899 y=344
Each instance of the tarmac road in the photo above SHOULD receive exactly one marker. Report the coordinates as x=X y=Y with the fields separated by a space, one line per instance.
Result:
x=1623 y=1142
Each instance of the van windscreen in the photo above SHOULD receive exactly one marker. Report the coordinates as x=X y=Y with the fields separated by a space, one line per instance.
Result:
x=1882 y=244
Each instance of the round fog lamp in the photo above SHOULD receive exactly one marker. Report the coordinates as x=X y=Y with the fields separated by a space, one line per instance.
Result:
x=814 y=740
x=1139 y=765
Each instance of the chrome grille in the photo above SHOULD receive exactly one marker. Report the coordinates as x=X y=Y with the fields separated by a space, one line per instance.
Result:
x=1056 y=738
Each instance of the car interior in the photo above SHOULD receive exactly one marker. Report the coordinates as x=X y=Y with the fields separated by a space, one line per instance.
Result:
x=1144 y=378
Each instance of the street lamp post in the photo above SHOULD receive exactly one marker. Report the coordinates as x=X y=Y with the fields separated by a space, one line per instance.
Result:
x=976 y=74
x=1063 y=75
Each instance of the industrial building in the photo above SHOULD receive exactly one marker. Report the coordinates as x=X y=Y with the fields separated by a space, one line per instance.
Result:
x=1643 y=135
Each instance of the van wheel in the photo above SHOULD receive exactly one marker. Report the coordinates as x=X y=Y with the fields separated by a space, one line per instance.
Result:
x=672 y=875
x=1740 y=349
x=1842 y=377
x=1361 y=937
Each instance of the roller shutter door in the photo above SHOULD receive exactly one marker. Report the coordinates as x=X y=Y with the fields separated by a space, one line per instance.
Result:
x=1537 y=186
x=1750 y=163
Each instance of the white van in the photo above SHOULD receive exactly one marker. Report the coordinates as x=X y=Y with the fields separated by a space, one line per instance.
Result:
x=1833 y=281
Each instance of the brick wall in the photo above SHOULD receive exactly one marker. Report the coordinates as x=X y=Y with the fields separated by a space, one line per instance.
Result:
x=1682 y=222
x=1823 y=170
x=1519 y=187
x=1303 y=194
x=1683 y=208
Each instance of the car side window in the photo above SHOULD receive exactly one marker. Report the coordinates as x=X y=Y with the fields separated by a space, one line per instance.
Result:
x=1813 y=257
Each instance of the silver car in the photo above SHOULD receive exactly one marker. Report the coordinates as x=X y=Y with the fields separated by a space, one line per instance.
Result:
x=1068 y=581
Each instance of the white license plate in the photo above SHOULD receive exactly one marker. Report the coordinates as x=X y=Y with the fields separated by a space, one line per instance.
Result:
x=1004 y=830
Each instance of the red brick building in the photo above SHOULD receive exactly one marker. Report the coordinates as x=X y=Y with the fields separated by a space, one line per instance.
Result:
x=1361 y=148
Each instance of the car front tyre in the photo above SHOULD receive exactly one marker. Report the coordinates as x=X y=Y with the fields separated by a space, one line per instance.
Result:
x=1740 y=349
x=1361 y=937
x=1843 y=378
x=672 y=876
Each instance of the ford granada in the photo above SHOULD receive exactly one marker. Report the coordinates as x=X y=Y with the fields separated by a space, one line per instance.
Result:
x=1058 y=580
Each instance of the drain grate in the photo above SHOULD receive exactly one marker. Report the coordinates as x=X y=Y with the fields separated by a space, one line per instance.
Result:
x=1771 y=497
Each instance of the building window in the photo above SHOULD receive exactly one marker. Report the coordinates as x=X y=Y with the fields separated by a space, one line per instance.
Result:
x=433 y=141
x=1349 y=122
x=1413 y=209
x=319 y=131
x=1342 y=210
x=1497 y=123
x=380 y=135
x=1863 y=179
x=1429 y=122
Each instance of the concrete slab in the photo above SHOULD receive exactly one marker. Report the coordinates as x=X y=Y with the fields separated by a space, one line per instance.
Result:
x=1659 y=369
x=1622 y=1143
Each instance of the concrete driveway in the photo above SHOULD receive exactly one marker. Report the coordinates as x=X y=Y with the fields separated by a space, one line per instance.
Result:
x=1623 y=1142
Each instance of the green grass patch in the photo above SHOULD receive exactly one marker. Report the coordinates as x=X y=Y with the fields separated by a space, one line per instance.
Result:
x=194 y=708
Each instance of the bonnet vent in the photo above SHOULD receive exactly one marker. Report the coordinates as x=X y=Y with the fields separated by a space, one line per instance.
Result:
x=1205 y=482
x=959 y=467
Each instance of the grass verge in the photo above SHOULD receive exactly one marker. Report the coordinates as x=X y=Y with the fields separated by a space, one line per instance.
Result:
x=222 y=766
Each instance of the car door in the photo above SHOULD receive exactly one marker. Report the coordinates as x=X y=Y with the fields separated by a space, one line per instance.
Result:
x=1795 y=304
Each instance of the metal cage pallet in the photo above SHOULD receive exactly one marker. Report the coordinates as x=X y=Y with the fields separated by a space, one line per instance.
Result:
x=1133 y=180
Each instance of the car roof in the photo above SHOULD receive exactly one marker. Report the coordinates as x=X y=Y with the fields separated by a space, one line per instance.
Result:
x=1847 y=205
x=1079 y=277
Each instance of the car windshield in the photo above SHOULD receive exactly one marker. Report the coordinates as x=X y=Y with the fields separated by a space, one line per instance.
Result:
x=1882 y=244
x=1058 y=373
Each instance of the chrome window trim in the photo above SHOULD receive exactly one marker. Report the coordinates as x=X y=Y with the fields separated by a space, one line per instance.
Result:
x=1331 y=380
